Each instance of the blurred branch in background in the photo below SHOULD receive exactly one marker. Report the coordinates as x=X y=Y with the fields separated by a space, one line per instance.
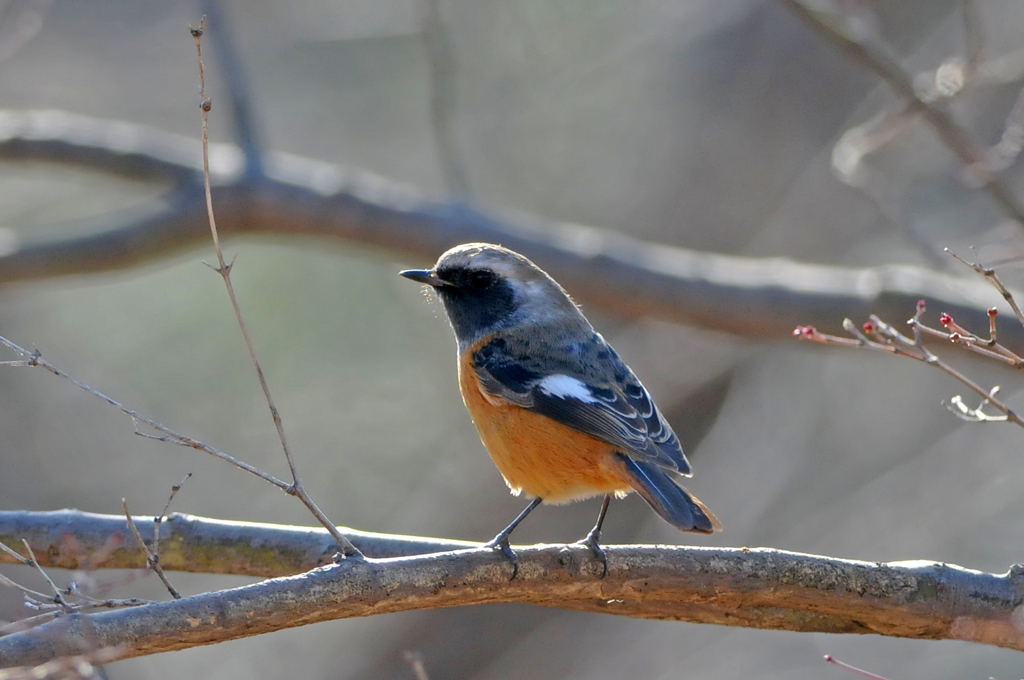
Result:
x=853 y=27
x=443 y=96
x=757 y=298
x=20 y=22
x=760 y=588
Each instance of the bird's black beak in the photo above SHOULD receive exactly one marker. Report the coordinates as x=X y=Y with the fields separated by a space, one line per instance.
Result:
x=427 y=276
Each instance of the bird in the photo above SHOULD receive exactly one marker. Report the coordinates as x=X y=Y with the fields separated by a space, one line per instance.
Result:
x=562 y=416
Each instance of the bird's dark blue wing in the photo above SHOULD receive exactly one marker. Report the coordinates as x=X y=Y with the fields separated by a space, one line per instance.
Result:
x=591 y=391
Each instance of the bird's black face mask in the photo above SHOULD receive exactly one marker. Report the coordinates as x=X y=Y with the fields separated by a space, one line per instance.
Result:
x=475 y=299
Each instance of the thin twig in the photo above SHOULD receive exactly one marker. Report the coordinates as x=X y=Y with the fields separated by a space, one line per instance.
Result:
x=993 y=278
x=867 y=674
x=246 y=127
x=34 y=594
x=152 y=559
x=33 y=598
x=891 y=341
x=224 y=269
x=35 y=359
x=13 y=553
x=58 y=596
x=158 y=520
x=86 y=606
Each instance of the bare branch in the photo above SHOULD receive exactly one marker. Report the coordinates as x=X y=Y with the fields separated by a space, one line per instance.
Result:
x=32 y=596
x=58 y=595
x=152 y=561
x=760 y=588
x=243 y=115
x=160 y=518
x=762 y=298
x=60 y=602
x=889 y=340
x=196 y=544
x=35 y=359
x=867 y=47
x=993 y=278
x=297 y=489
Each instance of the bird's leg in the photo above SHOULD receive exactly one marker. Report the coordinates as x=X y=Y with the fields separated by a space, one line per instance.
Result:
x=591 y=541
x=500 y=542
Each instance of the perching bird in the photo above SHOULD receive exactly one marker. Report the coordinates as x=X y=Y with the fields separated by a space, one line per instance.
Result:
x=560 y=413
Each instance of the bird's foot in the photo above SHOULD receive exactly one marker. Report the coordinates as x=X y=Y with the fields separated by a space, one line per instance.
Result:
x=500 y=544
x=591 y=541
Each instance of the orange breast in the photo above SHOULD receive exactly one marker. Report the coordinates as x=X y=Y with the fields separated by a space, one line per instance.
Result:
x=537 y=455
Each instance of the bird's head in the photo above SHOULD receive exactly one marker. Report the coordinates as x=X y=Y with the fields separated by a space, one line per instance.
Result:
x=487 y=288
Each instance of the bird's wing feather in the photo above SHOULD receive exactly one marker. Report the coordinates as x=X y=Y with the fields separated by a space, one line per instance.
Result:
x=611 y=405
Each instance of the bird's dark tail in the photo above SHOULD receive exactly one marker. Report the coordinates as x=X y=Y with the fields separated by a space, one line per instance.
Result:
x=674 y=503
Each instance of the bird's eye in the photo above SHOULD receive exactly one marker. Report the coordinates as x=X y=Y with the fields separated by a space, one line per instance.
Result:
x=481 y=279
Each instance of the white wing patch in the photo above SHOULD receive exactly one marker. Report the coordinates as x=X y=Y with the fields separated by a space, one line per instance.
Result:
x=566 y=387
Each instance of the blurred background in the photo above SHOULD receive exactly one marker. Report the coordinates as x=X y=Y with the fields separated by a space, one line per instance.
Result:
x=703 y=124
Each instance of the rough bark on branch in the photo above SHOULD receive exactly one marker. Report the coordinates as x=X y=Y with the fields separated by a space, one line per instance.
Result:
x=750 y=297
x=71 y=539
x=760 y=588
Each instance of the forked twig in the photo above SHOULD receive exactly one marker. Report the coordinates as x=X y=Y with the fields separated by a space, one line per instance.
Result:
x=57 y=603
x=35 y=359
x=158 y=520
x=58 y=596
x=34 y=598
x=993 y=278
x=152 y=558
x=878 y=335
x=224 y=269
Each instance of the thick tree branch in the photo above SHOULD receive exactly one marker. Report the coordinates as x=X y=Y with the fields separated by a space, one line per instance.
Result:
x=69 y=539
x=758 y=588
x=745 y=296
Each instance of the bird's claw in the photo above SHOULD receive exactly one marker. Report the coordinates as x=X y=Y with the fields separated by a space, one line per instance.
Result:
x=591 y=541
x=500 y=543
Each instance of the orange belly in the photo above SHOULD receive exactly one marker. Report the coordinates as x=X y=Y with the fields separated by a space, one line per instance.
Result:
x=538 y=456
